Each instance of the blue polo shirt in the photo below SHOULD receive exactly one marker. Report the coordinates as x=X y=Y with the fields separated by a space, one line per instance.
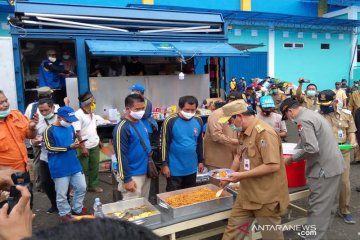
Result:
x=62 y=160
x=130 y=153
x=182 y=144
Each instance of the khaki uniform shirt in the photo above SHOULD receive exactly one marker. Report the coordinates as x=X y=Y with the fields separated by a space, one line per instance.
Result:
x=318 y=146
x=219 y=152
x=261 y=145
x=309 y=102
x=354 y=102
x=342 y=124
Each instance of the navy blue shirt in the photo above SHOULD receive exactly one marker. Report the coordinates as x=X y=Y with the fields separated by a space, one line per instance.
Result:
x=62 y=160
x=130 y=153
x=51 y=78
x=182 y=144
x=147 y=119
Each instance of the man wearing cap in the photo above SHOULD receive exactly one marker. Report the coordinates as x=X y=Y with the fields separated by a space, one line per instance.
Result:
x=14 y=129
x=308 y=99
x=86 y=129
x=31 y=109
x=249 y=97
x=344 y=130
x=52 y=74
x=220 y=141
x=147 y=119
x=263 y=192
x=324 y=162
x=268 y=115
x=65 y=168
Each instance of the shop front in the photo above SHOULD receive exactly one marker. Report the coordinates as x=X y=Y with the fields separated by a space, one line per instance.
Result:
x=105 y=43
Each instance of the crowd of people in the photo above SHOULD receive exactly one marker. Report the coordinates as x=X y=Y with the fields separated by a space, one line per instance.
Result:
x=244 y=133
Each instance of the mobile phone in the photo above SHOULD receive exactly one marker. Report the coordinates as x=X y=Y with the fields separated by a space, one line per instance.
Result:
x=84 y=140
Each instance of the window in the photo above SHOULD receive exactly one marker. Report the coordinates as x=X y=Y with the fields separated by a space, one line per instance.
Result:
x=288 y=45
x=298 y=45
x=325 y=46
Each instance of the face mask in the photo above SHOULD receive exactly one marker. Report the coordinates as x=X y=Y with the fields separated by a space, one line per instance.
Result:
x=311 y=93
x=4 y=113
x=187 y=115
x=52 y=59
x=93 y=107
x=356 y=85
x=66 y=57
x=266 y=113
x=65 y=124
x=137 y=115
x=235 y=128
x=327 y=109
x=49 y=116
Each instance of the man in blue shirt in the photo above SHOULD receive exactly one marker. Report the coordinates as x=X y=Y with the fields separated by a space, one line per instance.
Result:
x=182 y=146
x=241 y=86
x=52 y=74
x=147 y=119
x=132 y=148
x=64 y=166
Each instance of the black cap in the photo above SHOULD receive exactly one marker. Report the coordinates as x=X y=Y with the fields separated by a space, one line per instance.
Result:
x=326 y=97
x=286 y=104
x=235 y=96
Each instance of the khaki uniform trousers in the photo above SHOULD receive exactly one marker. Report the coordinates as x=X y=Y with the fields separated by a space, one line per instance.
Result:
x=240 y=221
x=345 y=189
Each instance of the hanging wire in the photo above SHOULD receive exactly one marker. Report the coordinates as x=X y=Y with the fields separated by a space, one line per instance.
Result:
x=19 y=28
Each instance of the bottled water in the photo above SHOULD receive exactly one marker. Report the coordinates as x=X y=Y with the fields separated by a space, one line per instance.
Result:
x=98 y=208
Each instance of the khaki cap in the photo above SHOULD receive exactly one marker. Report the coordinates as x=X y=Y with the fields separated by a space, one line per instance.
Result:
x=233 y=108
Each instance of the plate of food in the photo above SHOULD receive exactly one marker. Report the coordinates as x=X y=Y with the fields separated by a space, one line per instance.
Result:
x=220 y=174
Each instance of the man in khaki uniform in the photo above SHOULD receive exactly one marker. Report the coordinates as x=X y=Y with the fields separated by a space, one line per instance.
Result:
x=220 y=141
x=259 y=166
x=324 y=163
x=344 y=129
x=308 y=99
x=354 y=105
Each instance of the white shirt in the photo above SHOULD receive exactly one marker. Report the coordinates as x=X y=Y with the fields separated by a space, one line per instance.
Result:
x=274 y=120
x=41 y=127
x=41 y=117
x=87 y=126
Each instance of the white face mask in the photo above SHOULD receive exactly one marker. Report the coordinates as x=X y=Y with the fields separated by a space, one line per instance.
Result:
x=52 y=59
x=66 y=57
x=49 y=116
x=65 y=124
x=137 y=115
x=187 y=115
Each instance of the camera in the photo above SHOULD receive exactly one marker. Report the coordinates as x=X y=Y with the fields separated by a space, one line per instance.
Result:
x=19 y=178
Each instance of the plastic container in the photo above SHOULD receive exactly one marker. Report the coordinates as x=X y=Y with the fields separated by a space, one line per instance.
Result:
x=345 y=147
x=295 y=173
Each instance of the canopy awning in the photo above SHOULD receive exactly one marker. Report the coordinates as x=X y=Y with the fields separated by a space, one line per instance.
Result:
x=142 y=48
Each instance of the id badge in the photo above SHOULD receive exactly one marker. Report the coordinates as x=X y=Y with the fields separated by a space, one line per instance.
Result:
x=247 y=164
x=341 y=134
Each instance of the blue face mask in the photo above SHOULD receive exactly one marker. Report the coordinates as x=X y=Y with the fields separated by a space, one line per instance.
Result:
x=4 y=113
x=326 y=109
x=235 y=128
x=311 y=93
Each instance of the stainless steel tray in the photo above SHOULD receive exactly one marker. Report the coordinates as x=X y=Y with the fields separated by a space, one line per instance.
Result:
x=232 y=191
x=134 y=203
x=226 y=198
